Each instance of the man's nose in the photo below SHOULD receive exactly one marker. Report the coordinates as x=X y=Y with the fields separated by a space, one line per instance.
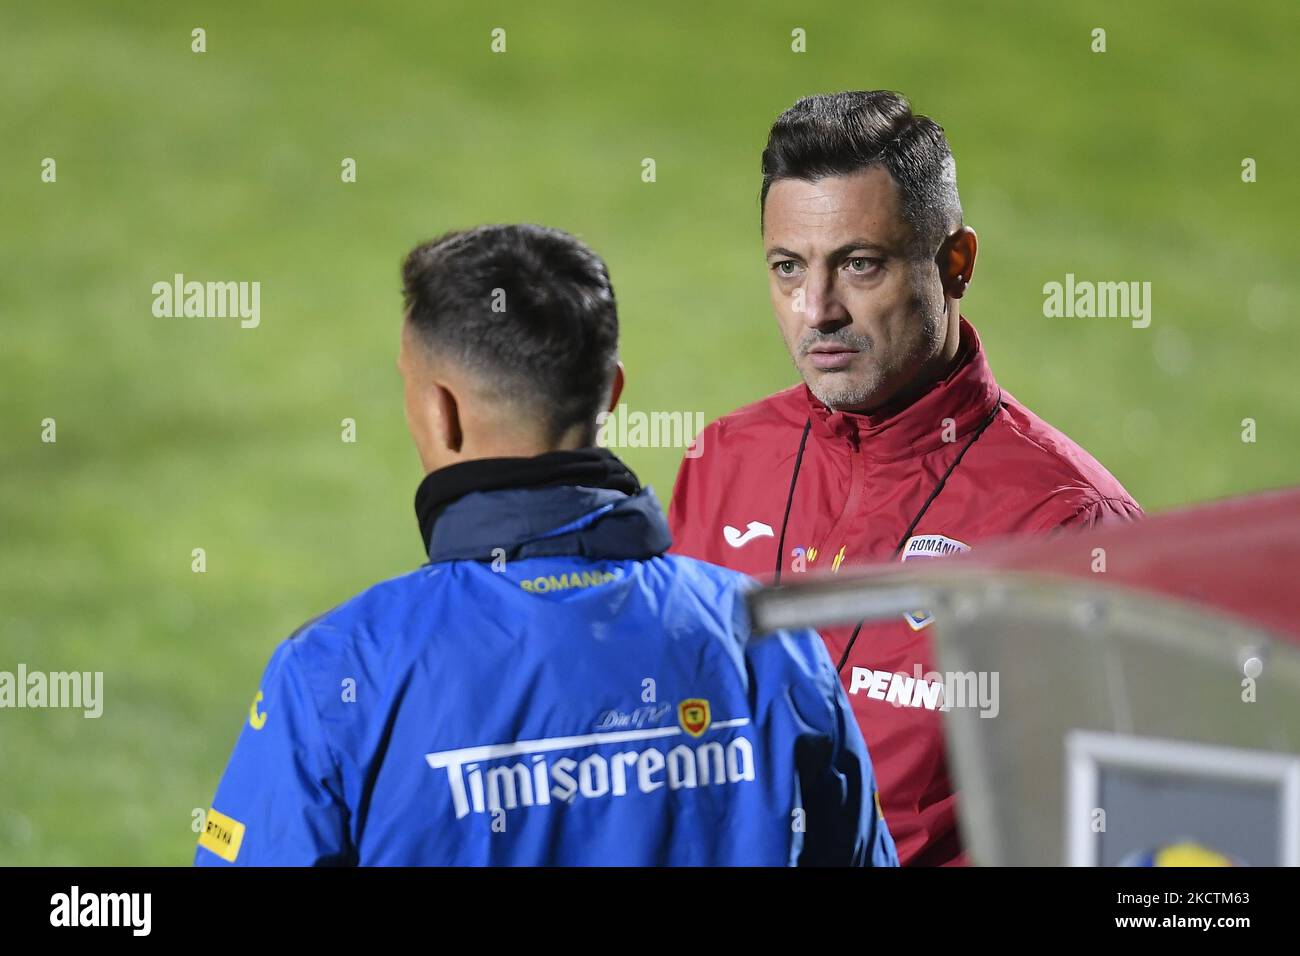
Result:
x=821 y=303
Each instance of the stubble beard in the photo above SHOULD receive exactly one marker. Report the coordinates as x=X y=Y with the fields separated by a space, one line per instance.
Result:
x=859 y=388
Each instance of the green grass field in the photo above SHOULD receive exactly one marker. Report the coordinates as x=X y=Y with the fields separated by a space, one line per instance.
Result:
x=175 y=434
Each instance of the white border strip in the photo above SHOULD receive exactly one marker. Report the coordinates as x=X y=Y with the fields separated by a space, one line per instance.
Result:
x=1088 y=751
x=446 y=758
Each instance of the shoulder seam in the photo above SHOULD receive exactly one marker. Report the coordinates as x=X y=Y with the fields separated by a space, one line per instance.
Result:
x=335 y=764
x=1092 y=503
x=1055 y=456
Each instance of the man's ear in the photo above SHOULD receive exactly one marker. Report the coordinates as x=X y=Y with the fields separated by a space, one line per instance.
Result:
x=450 y=435
x=956 y=261
x=616 y=390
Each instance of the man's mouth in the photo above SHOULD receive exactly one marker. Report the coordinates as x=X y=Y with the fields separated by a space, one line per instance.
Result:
x=831 y=357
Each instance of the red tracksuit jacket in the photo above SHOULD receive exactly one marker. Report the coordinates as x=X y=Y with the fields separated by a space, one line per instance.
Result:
x=963 y=463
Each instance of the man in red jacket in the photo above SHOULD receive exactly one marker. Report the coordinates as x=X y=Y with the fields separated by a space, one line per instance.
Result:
x=899 y=444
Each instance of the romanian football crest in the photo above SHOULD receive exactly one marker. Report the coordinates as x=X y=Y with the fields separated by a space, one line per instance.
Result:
x=928 y=546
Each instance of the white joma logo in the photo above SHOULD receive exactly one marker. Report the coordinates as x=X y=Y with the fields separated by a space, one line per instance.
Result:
x=756 y=529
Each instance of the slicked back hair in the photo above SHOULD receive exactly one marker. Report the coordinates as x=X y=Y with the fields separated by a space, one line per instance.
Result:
x=836 y=134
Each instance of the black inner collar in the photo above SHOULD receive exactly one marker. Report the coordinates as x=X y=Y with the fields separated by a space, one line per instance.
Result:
x=589 y=467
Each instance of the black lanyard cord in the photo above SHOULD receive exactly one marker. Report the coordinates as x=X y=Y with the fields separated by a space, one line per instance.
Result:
x=902 y=542
x=798 y=460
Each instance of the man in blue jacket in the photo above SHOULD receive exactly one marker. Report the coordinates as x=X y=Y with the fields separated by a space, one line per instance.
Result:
x=551 y=688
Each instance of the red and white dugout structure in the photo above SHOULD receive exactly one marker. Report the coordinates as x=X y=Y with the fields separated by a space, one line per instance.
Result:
x=1112 y=691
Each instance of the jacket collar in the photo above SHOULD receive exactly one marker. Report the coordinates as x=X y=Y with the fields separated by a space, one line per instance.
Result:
x=968 y=396
x=584 y=502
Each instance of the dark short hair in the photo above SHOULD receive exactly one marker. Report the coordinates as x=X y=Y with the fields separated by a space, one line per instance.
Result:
x=528 y=310
x=834 y=134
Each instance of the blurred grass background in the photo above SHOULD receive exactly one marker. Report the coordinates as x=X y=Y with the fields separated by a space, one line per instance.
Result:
x=175 y=434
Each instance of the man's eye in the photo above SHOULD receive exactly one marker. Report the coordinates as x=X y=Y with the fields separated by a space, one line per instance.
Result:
x=785 y=267
x=860 y=264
